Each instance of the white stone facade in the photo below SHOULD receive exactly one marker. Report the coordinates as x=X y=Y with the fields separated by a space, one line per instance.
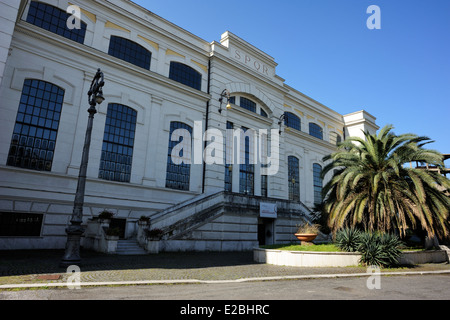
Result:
x=31 y=52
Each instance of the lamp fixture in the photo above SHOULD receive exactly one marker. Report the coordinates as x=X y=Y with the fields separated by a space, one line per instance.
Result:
x=225 y=94
x=280 y=121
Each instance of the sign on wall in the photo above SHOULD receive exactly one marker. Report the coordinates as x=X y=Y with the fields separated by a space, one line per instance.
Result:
x=268 y=210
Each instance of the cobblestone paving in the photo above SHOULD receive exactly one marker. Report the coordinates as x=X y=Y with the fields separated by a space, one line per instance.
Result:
x=26 y=267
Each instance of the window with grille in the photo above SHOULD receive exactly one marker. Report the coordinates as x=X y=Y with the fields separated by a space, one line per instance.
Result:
x=118 y=142
x=17 y=224
x=264 y=186
x=247 y=169
x=228 y=159
x=317 y=171
x=54 y=20
x=315 y=131
x=294 y=178
x=292 y=121
x=178 y=165
x=129 y=51
x=34 y=136
x=247 y=104
x=186 y=75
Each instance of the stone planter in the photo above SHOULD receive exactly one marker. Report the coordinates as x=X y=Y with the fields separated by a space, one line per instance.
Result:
x=306 y=237
x=110 y=244
x=337 y=259
x=152 y=246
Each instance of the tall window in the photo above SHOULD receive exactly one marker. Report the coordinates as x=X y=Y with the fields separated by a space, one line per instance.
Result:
x=118 y=142
x=185 y=75
x=34 y=136
x=294 y=178
x=264 y=185
x=178 y=165
x=246 y=169
x=228 y=160
x=315 y=130
x=292 y=121
x=129 y=51
x=54 y=20
x=317 y=171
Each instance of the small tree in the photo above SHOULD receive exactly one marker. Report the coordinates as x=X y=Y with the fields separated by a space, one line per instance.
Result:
x=373 y=187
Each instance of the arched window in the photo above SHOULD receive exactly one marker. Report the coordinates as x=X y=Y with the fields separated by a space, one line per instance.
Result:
x=54 y=20
x=178 y=164
x=294 y=178
x=318 y=183
x=292 y=121
x=186 y=75
x=34 y=137
x=315 y=130
x=129 y=51
x=118 y=143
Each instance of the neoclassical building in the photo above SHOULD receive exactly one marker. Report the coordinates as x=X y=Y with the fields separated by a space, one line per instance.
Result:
x=159 y=80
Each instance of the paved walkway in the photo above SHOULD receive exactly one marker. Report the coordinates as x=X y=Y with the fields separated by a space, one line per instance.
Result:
x=22 y=269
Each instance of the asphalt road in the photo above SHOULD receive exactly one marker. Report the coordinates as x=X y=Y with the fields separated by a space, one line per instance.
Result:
x=426 y=287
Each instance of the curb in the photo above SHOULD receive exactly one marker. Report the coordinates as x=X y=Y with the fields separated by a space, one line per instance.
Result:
x=75 y=285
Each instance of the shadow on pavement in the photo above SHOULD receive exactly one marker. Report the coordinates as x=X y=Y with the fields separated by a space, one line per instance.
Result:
x=21 y=262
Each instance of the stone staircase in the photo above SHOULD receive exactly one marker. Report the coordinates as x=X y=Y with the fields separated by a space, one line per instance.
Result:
x=129 y=247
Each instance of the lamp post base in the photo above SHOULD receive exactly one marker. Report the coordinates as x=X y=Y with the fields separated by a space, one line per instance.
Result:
x=72 y=254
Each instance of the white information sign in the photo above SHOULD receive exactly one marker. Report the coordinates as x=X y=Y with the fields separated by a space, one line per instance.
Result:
x=268 y=210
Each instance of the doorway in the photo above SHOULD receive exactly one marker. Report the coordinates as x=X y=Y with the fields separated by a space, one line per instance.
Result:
x=266 y=232
x=121 y=225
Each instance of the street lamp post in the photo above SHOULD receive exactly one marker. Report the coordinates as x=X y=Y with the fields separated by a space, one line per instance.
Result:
x=75 y=230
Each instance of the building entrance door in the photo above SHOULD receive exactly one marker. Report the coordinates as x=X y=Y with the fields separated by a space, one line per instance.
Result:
x=121 y=224
x=266 y=231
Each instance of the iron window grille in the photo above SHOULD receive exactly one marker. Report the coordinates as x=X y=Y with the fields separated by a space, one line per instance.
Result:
x=34 y=137
x=118 y=142
x=54 y=20
x=129 y=51
x=186 y=75
x=178 y=175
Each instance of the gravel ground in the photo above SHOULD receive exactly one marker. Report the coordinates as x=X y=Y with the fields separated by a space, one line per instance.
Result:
x=42 y=266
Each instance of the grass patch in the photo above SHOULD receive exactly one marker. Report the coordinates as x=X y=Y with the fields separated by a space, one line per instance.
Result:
x=328 y=247
x=296 y=247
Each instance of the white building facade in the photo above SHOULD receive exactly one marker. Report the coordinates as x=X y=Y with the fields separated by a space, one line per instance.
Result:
x=158 y=78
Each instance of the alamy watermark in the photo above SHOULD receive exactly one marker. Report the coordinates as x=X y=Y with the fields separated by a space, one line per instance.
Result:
x=374 y=21
x=74 y=280
x=374 y=281
x=239 y=146
x=74 y=20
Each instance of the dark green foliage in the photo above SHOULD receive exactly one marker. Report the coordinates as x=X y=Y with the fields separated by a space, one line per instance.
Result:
x=377 y=249
x=348 y=239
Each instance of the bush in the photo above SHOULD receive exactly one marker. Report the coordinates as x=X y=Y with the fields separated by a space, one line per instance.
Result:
x=308 y=228
x=105 y=214
x=154 y=234
x=348 y=239
x=382 y=250
x=113 y=232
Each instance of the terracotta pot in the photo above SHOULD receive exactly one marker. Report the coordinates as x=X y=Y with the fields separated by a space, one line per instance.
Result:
x=305 y=237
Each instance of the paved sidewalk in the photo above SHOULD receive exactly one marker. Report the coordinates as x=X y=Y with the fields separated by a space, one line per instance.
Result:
x=25 y=269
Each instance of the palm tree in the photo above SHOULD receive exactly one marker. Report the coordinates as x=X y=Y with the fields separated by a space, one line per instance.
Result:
x=374 y=189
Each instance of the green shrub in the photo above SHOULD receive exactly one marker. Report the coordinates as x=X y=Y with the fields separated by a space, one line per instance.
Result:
x=348 y=239
x=382 y=250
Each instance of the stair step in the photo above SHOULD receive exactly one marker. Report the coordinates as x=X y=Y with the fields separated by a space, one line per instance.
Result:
x=129 y=247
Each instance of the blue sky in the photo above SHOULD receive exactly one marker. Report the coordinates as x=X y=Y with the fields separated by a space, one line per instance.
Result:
x=400 y=73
